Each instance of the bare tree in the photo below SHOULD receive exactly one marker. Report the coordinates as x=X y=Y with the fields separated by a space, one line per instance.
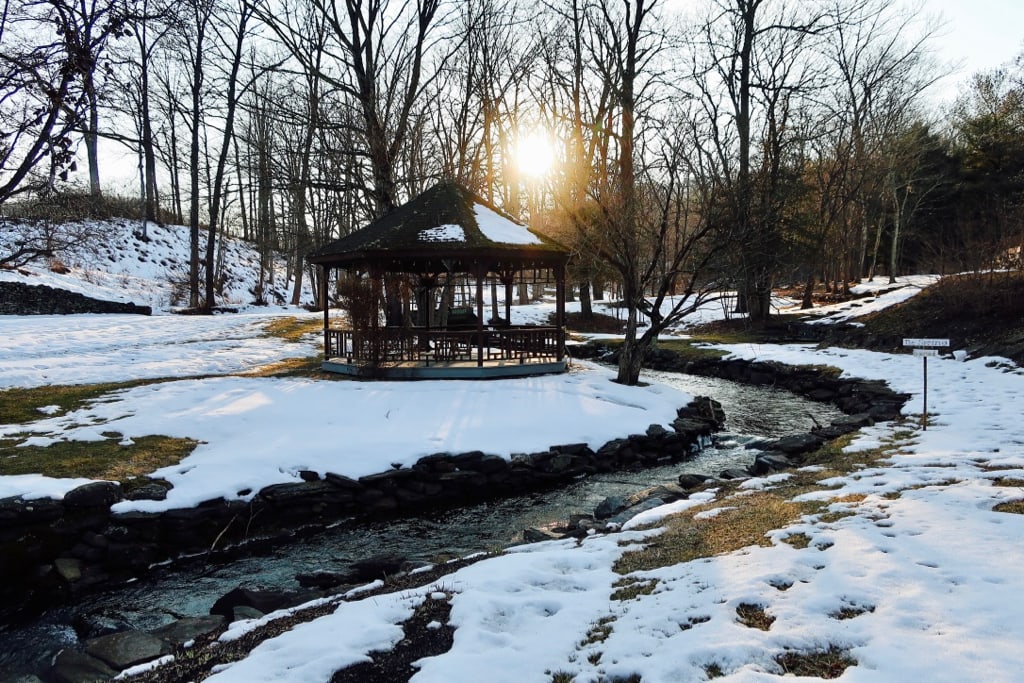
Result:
x=48 y=61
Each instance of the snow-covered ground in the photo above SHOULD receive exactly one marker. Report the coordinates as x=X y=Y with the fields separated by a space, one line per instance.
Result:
x=929 y=573
x=116 y=264
x=932 y=573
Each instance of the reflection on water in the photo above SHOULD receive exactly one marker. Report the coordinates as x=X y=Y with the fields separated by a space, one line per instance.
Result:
x=752 y=413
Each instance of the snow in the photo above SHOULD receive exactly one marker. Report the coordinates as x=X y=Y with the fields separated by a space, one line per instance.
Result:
x=121 y=266
x=497 y=228
x=82 y=349
x=443 y=233
x=930 y=573
x=261 y=431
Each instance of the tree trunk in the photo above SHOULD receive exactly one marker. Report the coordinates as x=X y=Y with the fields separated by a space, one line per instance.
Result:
x=586 y=306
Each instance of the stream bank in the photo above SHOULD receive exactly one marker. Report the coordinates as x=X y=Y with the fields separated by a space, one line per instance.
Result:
x=762 y=416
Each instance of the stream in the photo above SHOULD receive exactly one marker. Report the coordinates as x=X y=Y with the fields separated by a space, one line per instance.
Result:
x=751 y=413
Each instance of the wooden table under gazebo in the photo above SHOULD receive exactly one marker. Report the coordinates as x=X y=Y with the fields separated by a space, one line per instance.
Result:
x=413 y=284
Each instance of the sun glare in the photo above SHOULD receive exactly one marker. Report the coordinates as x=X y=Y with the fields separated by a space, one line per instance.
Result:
x=535 y=154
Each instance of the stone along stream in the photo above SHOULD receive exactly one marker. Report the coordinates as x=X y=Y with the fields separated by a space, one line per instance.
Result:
x=752 y=413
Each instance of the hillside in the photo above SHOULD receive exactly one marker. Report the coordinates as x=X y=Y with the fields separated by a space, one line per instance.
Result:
x=111 y=261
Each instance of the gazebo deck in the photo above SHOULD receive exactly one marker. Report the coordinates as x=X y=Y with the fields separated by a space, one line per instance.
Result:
x=418 y=353
x=444 y=369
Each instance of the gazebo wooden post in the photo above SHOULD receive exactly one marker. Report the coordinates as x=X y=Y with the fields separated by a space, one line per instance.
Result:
x=481 y=273
x=560 y=308
x=325 y=273
x=376 y=345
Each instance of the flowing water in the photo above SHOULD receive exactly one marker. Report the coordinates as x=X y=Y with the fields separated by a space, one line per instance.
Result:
x=752 y=413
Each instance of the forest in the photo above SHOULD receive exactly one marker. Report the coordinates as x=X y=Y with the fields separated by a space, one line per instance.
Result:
x=675 y=148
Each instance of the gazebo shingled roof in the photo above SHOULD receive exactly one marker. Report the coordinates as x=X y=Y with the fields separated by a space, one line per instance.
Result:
x=407 y=239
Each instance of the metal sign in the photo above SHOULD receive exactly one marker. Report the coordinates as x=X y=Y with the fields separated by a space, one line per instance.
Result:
x=926 y=342
x=926 y=353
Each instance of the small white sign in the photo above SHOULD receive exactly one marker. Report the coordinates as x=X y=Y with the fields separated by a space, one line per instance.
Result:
x=926 y=342
x=927 y=353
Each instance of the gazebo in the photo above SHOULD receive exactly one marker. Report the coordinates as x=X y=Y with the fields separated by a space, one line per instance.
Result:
x=414 y=285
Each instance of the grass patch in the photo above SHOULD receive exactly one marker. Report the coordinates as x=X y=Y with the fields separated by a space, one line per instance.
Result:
x=754 y=616
x=18 y=406
x=713 y=670
x=688 y=349
x=829 y=664
x=599 y=632
x=96 y=459
x=798 y=541
x=292 y=329
x=1015 y=507
x=1008 y=481
x=851 y=612
x=686 y=538
x=308 y=366
x=628 y=589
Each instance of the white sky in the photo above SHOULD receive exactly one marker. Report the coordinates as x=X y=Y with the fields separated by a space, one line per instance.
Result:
x=977 y=35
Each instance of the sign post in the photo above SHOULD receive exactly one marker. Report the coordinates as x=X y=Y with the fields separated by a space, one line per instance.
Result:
x=925 y=348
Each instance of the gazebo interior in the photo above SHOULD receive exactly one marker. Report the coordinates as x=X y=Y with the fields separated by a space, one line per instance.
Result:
x=427 y=293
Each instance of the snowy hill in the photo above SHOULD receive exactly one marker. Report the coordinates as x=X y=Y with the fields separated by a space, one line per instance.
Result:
x=110 y=260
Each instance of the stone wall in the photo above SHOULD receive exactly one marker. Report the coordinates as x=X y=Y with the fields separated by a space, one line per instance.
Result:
x=51 y=550
x=851 y=395
x=18 y=298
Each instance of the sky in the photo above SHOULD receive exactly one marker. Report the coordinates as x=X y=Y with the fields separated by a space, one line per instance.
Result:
x=977 y=35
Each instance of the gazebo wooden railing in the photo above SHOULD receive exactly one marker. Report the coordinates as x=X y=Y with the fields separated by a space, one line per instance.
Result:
x=393 y=345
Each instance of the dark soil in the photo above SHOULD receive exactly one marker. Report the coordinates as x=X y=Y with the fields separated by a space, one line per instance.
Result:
x=195 y=663
x=420 y=641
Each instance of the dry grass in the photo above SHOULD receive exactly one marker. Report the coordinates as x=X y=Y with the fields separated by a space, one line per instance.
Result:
x=686 y=538
x=828 y=664
x=754 y=616
x=629 y=589
x=96 y=459
x=1014 y=506
x=19 y=406
x=292 y=329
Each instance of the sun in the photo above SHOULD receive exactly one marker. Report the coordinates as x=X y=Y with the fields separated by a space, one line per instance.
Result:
x=535 y=154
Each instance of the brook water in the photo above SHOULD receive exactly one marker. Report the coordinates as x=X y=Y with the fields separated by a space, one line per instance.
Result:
x=752 y=413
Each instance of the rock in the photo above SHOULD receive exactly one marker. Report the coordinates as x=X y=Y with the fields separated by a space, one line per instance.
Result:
x=492 y=464
x=308 y=475
x=664 y=492
x=574 y=449
x=538 y=535
x=656 y=430
x=152 y=491
x=94 y=494
x=78 y=667
x=691 y=481
x=611 y=505
x=323 y=579
x=179 y=632
x=244 y=613
x=632 y=512
x=99 y=623
x=733 y=473
x=122 y=650
x=21 y=678
x=796 y=444
x=69 y=568
x=18 y=511
x=263 y=600
x=378 y=567
x=18 y=298
x=770 y=462
x=343 y=482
